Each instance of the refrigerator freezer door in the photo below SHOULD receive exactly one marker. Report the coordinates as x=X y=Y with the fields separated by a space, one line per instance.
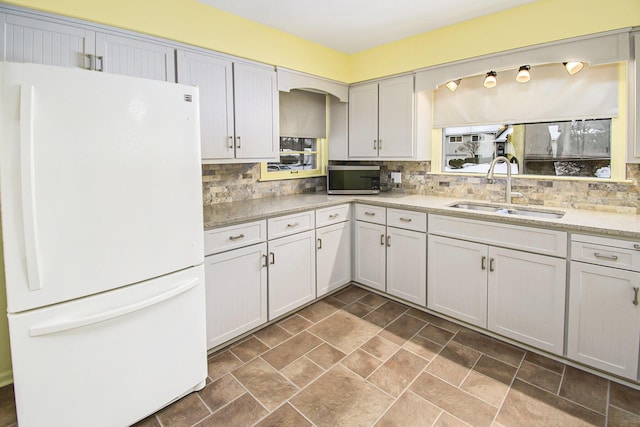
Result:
x=111 y=359
x=100 y=182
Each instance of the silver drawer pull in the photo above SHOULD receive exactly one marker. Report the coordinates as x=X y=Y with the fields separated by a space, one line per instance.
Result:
x=333 y=216
x=406 y=219
x=370 y=213
x=609 y=257
x=636 y=246
x=635 y=295
x=295 y=224
x=239 y=236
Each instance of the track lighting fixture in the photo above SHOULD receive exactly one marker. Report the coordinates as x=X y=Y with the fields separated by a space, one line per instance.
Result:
x=490 y=80
x=452 y=85
x=523 y=75
x=573 y=67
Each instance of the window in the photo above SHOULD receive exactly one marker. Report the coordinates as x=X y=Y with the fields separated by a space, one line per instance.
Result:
x=299 y=157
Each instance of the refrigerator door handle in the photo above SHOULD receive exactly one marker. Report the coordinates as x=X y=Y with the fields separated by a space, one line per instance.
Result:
x=28 y=187
x=74 y=323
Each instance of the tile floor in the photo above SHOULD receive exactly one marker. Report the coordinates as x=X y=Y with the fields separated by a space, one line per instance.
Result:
x=359 y=359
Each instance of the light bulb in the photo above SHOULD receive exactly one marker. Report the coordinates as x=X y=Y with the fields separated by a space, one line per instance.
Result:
x=573 y=67
x=490 y=80
x=452 y=85
x=523 y=75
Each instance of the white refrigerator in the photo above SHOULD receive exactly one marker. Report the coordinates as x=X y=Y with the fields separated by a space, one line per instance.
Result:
x=101 y=204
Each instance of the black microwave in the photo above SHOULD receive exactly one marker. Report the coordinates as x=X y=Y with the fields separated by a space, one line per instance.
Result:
x=353 y=179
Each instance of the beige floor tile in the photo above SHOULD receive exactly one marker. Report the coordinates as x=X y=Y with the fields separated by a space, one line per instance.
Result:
x=434 y=320
x=448 y=420
x=321 y=309
x=284 y=416
x=485 y=388
x=243 y=411
x=498 y=350
x=344 y=331
x=248 y=349
x=385 y=314
x=436 y=334
x=350 y=294
x=545 y=362
x=220 y=364
x=495 y=369
x=361 y=362
x=221 y=392
x=527 y=405
x=290 y=350
x=423 y=347
x=621 y=418
x=586 y=389
x=184 y=413
x=302 y=371
x=410 y=411
x=380 y=347
x=274 y=334
x=325 y=356
x=373 y=300
x=398 y=372
x=402 y=329
x=625 y=398
x=453 y=363
x=351 y=400
x=358 y=309
x=265 y=383
x=539 y=377
x=453 y=400
x=295 y=324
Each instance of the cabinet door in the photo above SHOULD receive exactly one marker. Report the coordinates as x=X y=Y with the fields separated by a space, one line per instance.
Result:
x=42 y=42
x=256 y=112
x=236 y=292
x=136 y=58
x=457 y=277
x=604 y=323
x=370 y=254
x=395 y=131
x=214 y=78
x=292 y=272
x=333 y=257
x=407 y=265
x=527 y=298
x=363 y=121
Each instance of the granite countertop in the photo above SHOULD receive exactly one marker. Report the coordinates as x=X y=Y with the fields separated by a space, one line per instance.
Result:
x=574 y=220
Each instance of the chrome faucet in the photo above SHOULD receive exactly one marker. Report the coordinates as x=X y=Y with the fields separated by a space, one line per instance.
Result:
x=508 y=194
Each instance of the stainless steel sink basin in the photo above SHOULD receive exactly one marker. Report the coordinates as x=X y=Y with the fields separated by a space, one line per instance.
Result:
x=508 y=210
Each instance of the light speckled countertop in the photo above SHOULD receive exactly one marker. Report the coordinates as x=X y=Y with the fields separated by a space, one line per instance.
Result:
x=574 y=220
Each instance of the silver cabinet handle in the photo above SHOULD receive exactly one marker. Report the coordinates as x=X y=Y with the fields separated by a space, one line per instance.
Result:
x=379 y=144
x=635 y=295
x=273 y=258
x=230 y=142
x=388 y=241
x=492 y=264
x=375 y=147
x=84 y=59
x=293 y=224
x=239 y=236
x=239 y=141
x=370 y=213
x=483 y=263
x=382 y=239
x=609 y=257
x=406 y=219
x=333 y=216
x=636 y=246
x=264 y=257
x=319 y=243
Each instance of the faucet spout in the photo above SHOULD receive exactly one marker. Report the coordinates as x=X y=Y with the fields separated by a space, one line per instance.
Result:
x=508 y=194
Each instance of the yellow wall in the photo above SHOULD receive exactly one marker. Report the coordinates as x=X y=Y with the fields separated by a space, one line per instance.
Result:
x=5 y=351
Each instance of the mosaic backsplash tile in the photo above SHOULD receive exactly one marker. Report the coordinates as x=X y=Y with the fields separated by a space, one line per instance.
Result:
x=237 y=182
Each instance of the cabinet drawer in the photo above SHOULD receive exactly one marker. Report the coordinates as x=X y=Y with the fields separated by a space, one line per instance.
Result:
x=290 y=224
x=530 y=239
x=332 y=215
x=235 y=236
x=369 y=213
x=606 y=251
x=409 y=220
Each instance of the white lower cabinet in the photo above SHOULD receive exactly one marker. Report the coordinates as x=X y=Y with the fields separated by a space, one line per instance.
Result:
x=292 y=272
x=333 y=257
x=370 y=255
x=236 y=292
x=407 y=265
x=517 y=294
x=604 y=313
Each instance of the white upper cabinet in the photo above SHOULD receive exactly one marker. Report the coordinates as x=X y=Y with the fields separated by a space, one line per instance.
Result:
x=381 y=120
x=36 y=41
x=132 y=57
x=238 y=107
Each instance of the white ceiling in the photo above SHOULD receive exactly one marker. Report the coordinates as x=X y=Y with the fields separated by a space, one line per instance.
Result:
x=352 y=26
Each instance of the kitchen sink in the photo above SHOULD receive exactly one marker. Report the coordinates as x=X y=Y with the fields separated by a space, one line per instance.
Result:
x=508 y=210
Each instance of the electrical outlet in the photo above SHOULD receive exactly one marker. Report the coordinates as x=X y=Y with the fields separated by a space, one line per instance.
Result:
x=396 y=177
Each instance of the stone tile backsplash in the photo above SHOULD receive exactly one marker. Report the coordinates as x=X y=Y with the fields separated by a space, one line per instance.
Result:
x=237 y=182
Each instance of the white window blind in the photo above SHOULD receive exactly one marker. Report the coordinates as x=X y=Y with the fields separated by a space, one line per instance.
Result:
x=551 y=95
x=303 y=114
